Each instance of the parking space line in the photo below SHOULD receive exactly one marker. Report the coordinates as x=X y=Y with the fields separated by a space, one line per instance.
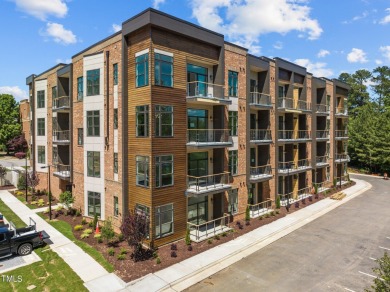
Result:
x=372 y=276
x=388 y=237
x=384 y=248
x=372 y=259
x=349 y=290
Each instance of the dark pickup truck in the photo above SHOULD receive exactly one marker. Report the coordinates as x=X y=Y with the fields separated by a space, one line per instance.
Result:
x=20 y=240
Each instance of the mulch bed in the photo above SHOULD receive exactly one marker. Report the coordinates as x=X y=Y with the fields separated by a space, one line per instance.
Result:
x=38 y=196
x=129 y=270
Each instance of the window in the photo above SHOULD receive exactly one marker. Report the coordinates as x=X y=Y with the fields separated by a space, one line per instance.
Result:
x=41 y=126
x=164 y=220
x=142 y=120
x=80 y=136
x=54 y=92
x=93 y=164
x=142 y=171
x=93 y=123
x=41 y=154
x=164 y=170
x=41 y=99
x=94 y=204
x=80 y=88
x=115 y=118
x=233 y=162
x=145 y=211
x=115 y=162
x=142 y=70
x=115 y=73
x=116 y=206
x=164 y=121
x=233 y=123
x=233 y=201
x=55 y=155
x=233 y=83
x=93 y=82
x=163 y=70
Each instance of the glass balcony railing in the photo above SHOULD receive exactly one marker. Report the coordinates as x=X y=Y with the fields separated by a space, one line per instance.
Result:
x=201 y=89
x=260 y=99
x=292 y=104
x=323 y=108
x=62 y=170
x=61 y=136
x=61 y=102
x=207 y=183
x=260 y=171
x=294 y=135
x=322 y=134
x=208 y=136
x=259 y=135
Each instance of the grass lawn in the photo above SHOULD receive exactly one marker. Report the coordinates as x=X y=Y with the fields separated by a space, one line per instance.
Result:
x=66 y=230
x=50 y=274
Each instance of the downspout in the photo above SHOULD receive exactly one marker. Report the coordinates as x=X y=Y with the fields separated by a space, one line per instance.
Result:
x=32 y=149
x=107 y=139
x=71 y=124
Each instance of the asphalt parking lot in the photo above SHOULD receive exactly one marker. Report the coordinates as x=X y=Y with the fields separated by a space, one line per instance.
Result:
x=336 y=252
x=11 y=263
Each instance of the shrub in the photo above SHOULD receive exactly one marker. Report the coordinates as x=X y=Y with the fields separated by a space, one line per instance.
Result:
x=217 y=237
x=66 y=199
x=121 y=237
x=88 y=231
x=188 y=238
x=95 y=221
x=46 y=211
x=247 y=214
x=210 y=241
x=272 y=213
x=33 y=203
x=267 y=215
x=240 y=227
x=155 y=254
x=123 y=251
x=78 y=213
x=97 y=235
x=173 y=246
x=83 y=221
x=20 y=155
x=173 y=254
x=121 y=257
x=315 y=189
x=261 y=218
x=277 y=212
x=277 y=202
x=59 y=208
x=21 y=181
x=107 y=230
x=158 y=261
x=99 y=240
x=111 y=251
x=334 y=182
x=189 y=248
x=224 y=234
x=41 y=203
x=90 y=224
x=78 y=227
x=84 y=235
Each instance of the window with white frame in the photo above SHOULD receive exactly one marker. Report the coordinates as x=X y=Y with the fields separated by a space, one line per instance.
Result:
x=164 y=220
x=93 y=123
x=233 y=162
x=41 y=127
x=164 y=170
x=93 y=82
x=41 y=99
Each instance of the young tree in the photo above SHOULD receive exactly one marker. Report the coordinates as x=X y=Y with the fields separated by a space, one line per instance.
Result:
x=135 y=228
x=381 y=87
x=107 y=230
x=9 y=118
x=17 y=144
x=66 y=198
x=32 y=180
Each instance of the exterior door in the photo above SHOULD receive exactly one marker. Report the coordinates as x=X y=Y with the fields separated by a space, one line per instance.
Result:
x=197 y=125
x=198 y=164
x=197 y=210
x=217 y=206
x=197 y=78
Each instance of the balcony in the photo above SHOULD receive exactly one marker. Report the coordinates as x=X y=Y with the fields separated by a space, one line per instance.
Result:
x=341 y=134
x=62 y=171
x=61 y=137
x=289 y=104
x=322 y=161
x=341 y=112
x=61 y=103
x=204 y=138
x=323 y=186
x=199 y=92
x=342 y=158
x=343 y=179
x=260 y=136
x=292 y=167
x=260 y=100
x=260 y=173
x=293 y=197
x=203 y=231
x=322 y=109
x=260 y=209
x=207 y=184
x=294 y=136
x=322 y=135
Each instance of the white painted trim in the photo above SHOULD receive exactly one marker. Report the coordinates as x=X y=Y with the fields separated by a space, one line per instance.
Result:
x=163 y=52
x=143 y=52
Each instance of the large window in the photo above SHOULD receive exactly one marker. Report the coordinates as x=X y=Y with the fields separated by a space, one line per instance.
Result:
x=80 y=88
x=41 y=99
x=233 y=123
x=164 y=120
x=93 y=82
x=233 y=201
x=80 y=136
x=233 y=83
x=54 y=92
x=164 y=170
x=41 y=154
x=116 y=163
x=93 y=123
x=163 y=70
x=142 y=120
x=115 y=118
x=94 y=204
x=93 y=164
x=142 y=171
x=164 y=220
x=115 y=73
x=142 y=70
x=233 y=162
x=116 y=206
x=41 y=127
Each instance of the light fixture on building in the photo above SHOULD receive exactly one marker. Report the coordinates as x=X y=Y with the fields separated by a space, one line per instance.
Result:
x=211 y=160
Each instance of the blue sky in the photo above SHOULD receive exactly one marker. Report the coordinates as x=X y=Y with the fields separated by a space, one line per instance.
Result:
x=328 y=37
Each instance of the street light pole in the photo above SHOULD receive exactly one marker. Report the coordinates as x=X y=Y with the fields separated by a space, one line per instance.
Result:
x=288 y=186
x=25 y=178
x=48 y=167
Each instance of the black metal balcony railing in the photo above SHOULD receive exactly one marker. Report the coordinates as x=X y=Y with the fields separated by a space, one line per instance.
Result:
x=208 y=136
x=61 y=136
x=207 y=182
x=322 y=134
x=294 y=135
x=205 y=90
x=260 y=99
x=323 y=108
x=61 y=102
x=262 y=170
x=260 y=135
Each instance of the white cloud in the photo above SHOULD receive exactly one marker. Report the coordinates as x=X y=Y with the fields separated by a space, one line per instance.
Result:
x=157 y=3
x=278 y=45
x=322 y=53
x=41 y=9
x=66 y=61
x=18 y=93
x=357 y=56
x=116 y=27
x=386 y=19
x=318 y=69
x=245 y=21
x=59 y=33
x=385 y=52
x=378 y=62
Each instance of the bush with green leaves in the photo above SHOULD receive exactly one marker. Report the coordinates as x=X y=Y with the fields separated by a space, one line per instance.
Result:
x=111 y=251
x=41 y=203
x=123 y=251
x=382 y=282
x=88 y=231
x=21 y=185
x=78 y=227
x=95 y=220
x=121 y=257
x=84 y=235
x=66 y=198
x=277 y=202
x=188 y=238
x=158 y=261
x=247 y=214
x=107 y=230
x=83 y=221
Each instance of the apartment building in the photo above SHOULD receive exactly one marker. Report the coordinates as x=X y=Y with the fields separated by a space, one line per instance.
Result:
x=169 y=119
x=24 y=110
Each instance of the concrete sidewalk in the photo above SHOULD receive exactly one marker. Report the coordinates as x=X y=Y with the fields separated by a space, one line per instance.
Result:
x=197 y=268
x=94 y=276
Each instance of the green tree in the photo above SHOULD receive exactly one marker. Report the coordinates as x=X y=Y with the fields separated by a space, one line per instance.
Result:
x=381 y=87
x=66 y=199
x=107 y=230
x=3 y=172
x=358 y=96
x=9 y=119
x=382 y=282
